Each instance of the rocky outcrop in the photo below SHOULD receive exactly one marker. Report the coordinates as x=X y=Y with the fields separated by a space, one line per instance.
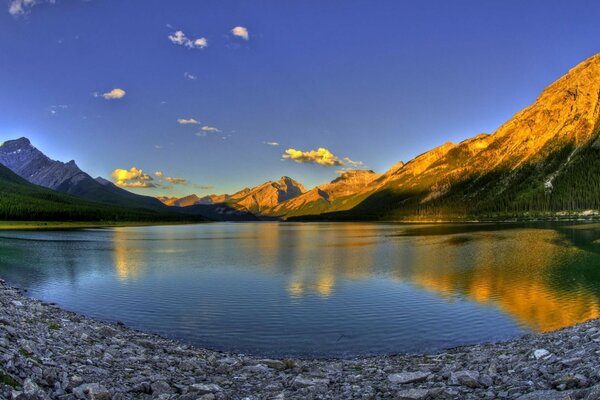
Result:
x=48 y=353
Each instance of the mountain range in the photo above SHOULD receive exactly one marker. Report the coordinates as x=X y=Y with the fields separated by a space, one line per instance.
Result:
x=544 y=161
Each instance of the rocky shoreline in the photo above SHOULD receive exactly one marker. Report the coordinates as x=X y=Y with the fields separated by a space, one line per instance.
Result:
x=49 y=353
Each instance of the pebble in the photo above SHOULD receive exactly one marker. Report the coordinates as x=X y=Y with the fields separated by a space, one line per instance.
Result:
x=84 y=359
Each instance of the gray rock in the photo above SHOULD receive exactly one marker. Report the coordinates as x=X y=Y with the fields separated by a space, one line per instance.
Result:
x=546 y=395
x=160 y=387
x=92 y=391
x=275 y=364
x=203 y=388
x=465 y=378
x=412 y=394
x=302 y=381
x=408 y=377
x=541 y=354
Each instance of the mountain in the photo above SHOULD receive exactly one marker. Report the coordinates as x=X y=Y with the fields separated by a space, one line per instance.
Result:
x=24 y=201
x=339 y=194
x=180 y=202
x=21 y=157
x=262 y=198
x=544 y=160
x=258 y=200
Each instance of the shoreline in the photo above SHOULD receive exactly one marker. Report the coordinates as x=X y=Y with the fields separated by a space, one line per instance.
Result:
x=68 y=225
x=50 y=353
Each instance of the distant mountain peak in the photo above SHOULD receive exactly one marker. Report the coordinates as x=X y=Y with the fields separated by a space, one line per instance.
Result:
x=22 y=141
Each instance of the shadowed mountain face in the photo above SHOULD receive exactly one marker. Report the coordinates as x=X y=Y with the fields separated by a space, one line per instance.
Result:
x=24 y=201
x=35 y=167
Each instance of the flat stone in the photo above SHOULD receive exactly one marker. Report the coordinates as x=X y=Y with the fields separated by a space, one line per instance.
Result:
x=408 y=377
x=92 y=391
x=206 y=388
x=541 y=353
x=274 y=364
x=469 y=379
x=546 y=395
x=309 y=381
x=412 y=394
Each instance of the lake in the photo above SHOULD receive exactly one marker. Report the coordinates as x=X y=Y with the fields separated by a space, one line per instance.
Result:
x=278 y=289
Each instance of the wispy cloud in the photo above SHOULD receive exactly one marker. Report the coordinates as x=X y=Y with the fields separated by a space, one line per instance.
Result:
x=189 y=76
x=272 y=143
x=188 y=121
x=206 y=130
x=176 y=181
x=321 y=156
x=241 y=32
x=114 y=94
x=181 y=39
x=203 y=187
x=132 y=178
x=53 y=110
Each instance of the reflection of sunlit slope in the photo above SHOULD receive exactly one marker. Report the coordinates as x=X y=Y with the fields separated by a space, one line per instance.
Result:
x=128 y=259
x=346 y=250
x=520 y=274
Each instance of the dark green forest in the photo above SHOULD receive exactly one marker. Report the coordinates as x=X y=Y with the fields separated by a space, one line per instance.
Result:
x=23 y=201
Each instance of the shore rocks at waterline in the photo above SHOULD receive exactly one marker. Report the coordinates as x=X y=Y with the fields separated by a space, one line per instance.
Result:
x=49 y=353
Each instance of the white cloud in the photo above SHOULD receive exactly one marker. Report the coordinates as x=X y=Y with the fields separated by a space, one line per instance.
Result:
x=189 y=76
x=181 y=39
x=205 y=130
x=201 y=42
x=321 y=156
x=241 y=32
x=158 y=174
x=271 y=143
x=114 y=94
x=188 y=121
x=19 y=7
x=178 y=38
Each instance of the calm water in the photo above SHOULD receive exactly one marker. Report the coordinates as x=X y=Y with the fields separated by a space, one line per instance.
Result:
x=317 y=289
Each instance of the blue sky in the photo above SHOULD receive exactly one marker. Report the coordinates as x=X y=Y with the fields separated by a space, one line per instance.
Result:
x=374 y=81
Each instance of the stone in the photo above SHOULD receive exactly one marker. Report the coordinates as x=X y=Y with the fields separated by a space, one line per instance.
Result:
x=274 y=364
x=541 y=353
x=302 y=381
x=546 y=395
x=160 y=387
x=408 y=377
x=412 y=394
x=92 y=391
x=465 y=378
x=204 y=388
